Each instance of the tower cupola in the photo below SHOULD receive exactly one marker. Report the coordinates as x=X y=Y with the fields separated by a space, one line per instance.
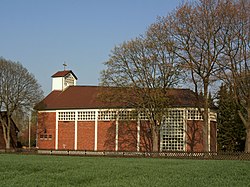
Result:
x=62 y=79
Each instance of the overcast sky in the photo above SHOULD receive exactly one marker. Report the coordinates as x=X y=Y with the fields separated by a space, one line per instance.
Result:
x=43 y=34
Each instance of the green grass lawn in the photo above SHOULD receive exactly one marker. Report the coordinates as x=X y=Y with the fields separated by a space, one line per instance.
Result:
x=38 y=170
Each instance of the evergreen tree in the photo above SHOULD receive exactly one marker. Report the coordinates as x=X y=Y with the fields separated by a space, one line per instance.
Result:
x=231 y=131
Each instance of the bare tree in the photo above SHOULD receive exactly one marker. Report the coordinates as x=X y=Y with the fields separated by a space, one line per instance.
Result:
x=142 y=70
x=208 y=38
x=236 y=62
x=197 y=35
x=19 y=90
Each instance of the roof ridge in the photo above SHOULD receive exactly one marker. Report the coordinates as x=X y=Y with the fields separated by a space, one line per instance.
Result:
x=121 y=87
x=84 y=86
x=64 y=73
x=85 y=97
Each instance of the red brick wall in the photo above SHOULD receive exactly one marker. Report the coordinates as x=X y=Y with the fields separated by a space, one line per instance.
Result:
x=213 y=138
x=127 y=136
x=194 y=136
x=66 y=135
x=145 y=137
x=86 y=135
x=46 y=125
x=106 y=135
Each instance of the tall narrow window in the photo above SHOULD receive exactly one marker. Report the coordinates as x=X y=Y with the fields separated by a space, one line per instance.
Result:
x=172 y=134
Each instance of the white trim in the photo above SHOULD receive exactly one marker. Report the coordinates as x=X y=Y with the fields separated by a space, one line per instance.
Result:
x=161 y=138
x=42 y=111
x=208 y=131
x=56 y=139
x=185 y=129
x=113 y=109
x=66 y=110
x=213 y=116
x=76 y=129
x=189 y=109
x=117 y=133
x=96 y=130
x=138 y=133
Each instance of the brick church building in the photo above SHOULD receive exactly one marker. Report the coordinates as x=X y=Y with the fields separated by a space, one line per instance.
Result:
x=72 y=118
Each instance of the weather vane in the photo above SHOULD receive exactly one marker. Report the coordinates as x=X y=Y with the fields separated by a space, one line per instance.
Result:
x=64 y=65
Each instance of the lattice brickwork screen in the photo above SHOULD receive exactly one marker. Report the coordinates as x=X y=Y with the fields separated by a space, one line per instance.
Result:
x=143 y=116
x=107 y=115
x=86 y=115
x=172 y=134
x=128 y=115
x=194 y=114
x=66 y=116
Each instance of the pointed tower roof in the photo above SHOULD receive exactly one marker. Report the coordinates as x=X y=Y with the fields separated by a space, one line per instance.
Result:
x=64 y=73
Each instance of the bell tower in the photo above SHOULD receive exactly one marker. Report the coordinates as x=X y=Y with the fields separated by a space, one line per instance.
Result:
x=62 y=79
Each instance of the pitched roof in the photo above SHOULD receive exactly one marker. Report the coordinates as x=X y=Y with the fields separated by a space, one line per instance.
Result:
x=63 y=73
x=86 y=97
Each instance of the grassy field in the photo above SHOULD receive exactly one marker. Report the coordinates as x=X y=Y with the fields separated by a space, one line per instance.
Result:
x=38 y=170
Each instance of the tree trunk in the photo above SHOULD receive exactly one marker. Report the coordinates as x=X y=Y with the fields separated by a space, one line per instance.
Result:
x=247 y=143
x=4 y=132
x=205 y=131
x=8 y=132
x=155 y=137
x=247 y=125
x=205 y=117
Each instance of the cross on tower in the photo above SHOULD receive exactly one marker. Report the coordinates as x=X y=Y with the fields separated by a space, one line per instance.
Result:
x=64 y=65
